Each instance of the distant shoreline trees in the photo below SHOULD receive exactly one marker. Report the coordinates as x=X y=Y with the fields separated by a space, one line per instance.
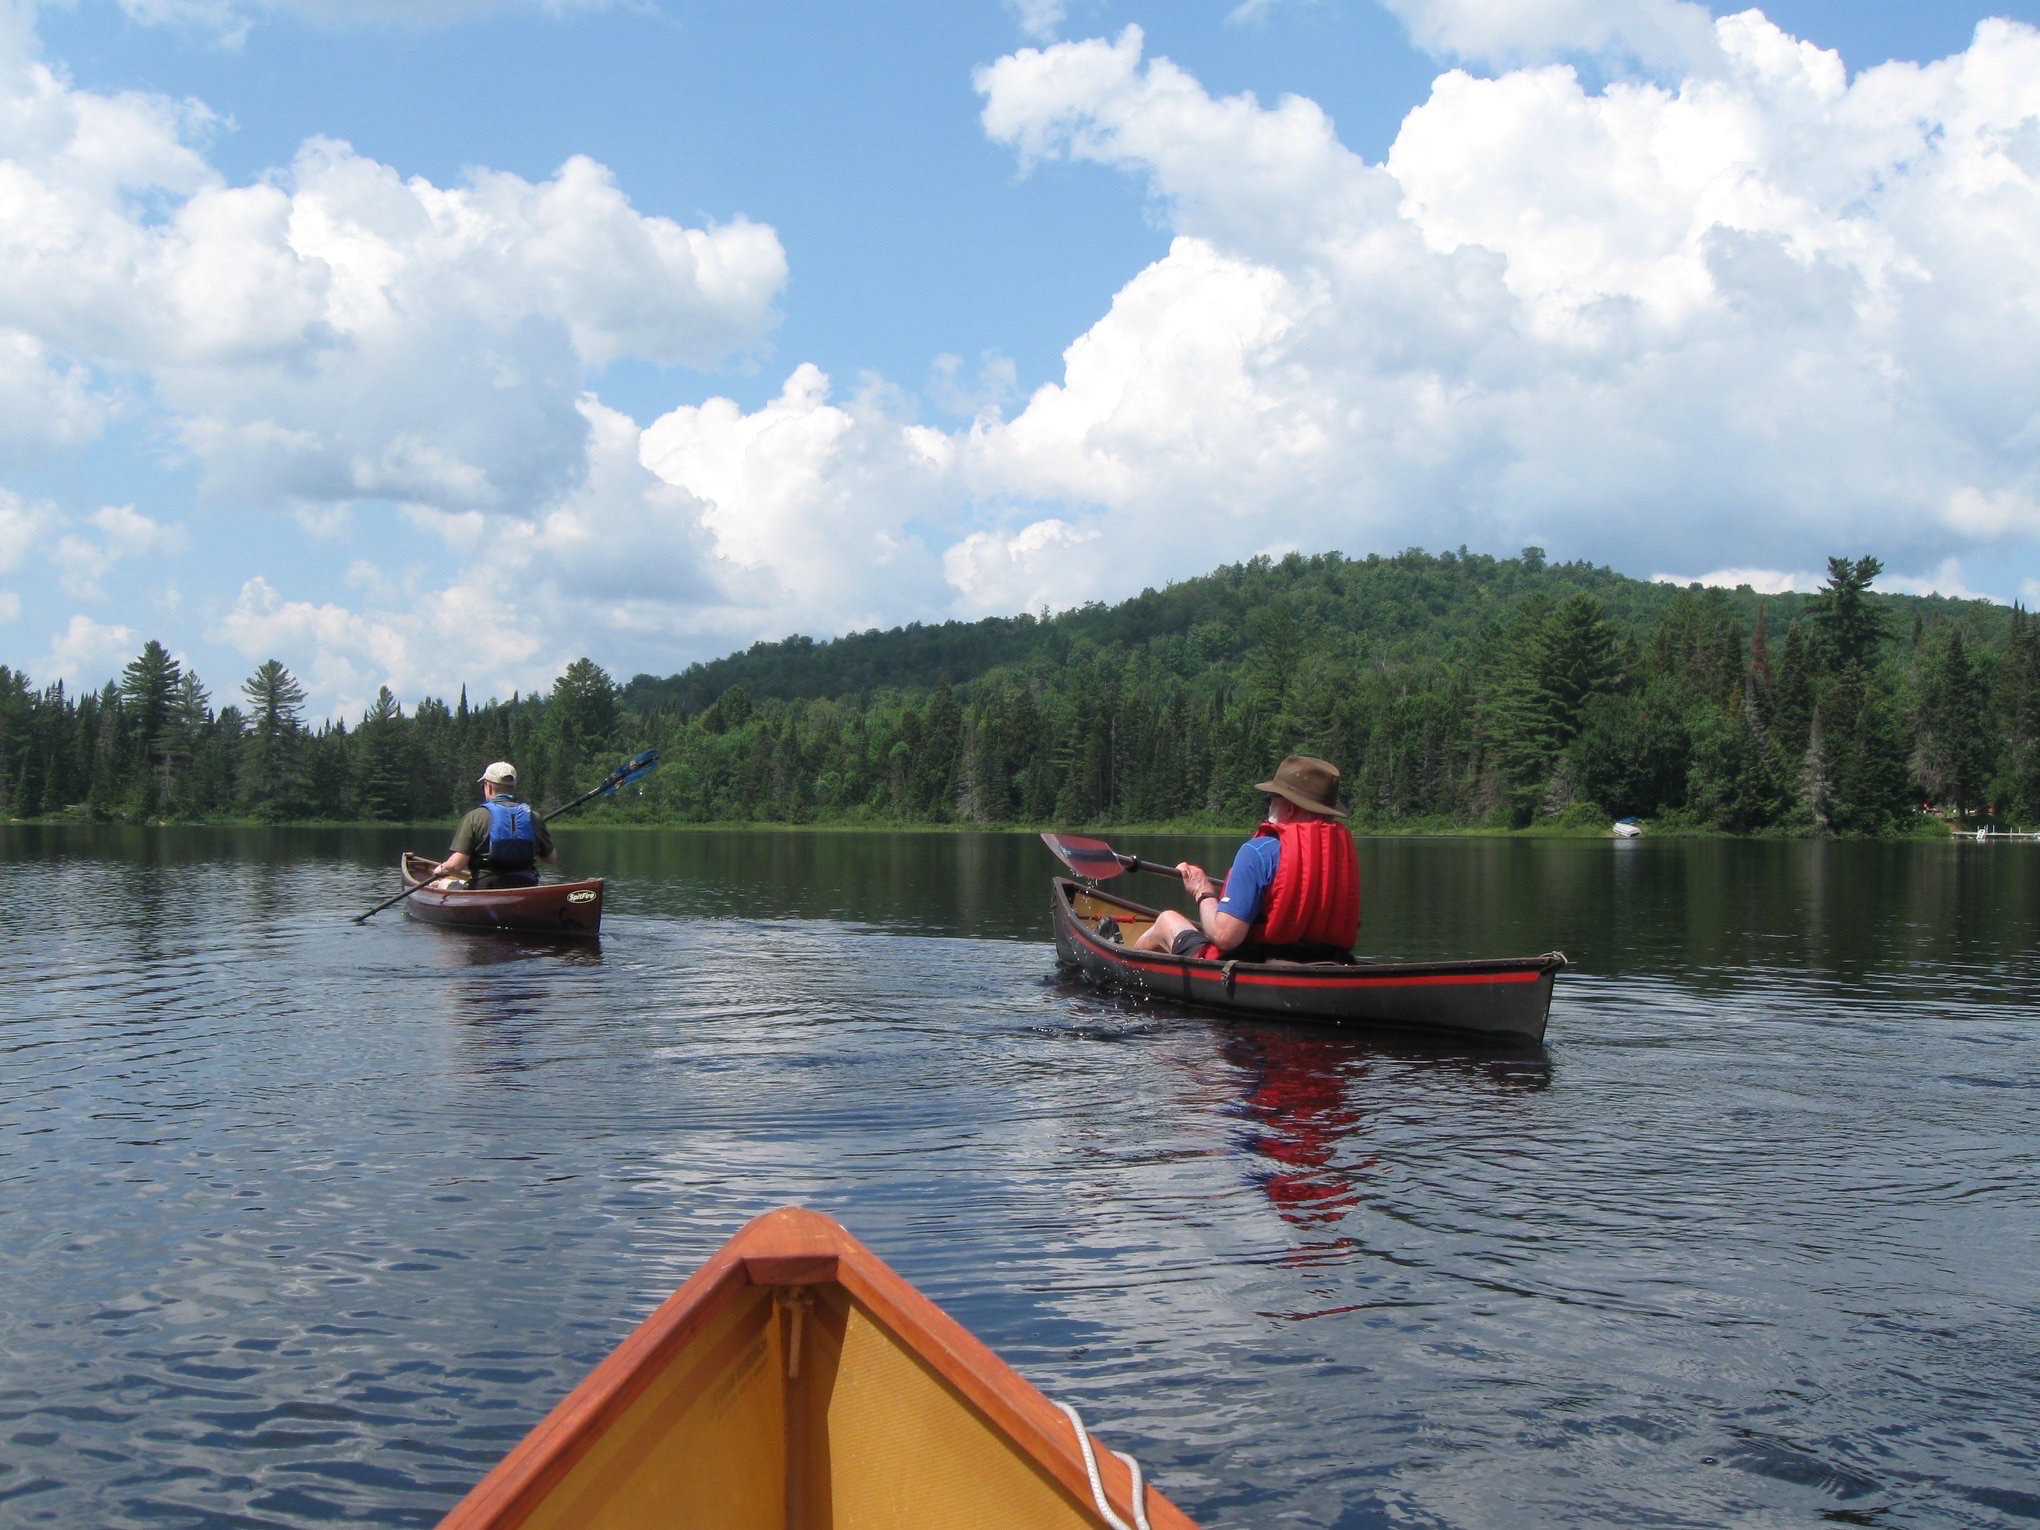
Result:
x=1453 y=690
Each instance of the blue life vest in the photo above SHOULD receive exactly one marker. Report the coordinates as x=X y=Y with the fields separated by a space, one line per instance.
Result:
x=512 y=846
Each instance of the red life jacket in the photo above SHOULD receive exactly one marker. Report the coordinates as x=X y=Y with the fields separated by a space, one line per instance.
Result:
x=1315 y=897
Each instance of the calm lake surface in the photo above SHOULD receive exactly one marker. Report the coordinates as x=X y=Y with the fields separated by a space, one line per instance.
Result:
x=306 y=1222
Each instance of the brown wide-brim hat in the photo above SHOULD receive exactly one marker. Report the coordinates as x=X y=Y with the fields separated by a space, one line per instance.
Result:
x=1309 y=782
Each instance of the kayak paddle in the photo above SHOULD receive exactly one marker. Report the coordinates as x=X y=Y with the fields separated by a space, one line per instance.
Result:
x=636 y=768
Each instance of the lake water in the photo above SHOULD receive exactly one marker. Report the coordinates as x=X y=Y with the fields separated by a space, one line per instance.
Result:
x=306 y=1222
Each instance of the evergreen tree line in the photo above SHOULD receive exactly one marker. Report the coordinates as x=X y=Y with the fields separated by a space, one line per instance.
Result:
x=1452 y=690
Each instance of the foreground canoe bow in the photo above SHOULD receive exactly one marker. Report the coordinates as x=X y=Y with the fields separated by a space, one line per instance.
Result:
x=795 y=1380
x=552 y=908
x=1508 y=998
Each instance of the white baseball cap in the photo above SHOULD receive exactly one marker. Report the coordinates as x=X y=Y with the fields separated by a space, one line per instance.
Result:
x=503 y=773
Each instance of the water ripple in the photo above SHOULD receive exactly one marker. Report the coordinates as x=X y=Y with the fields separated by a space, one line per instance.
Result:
x=307 y=1221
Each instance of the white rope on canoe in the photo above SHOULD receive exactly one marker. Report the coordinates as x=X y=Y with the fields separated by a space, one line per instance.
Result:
x=1140 y=1519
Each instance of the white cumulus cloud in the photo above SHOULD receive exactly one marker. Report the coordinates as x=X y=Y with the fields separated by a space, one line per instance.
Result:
x=87 y=652
x=1765 y=581
x=1993 y=514
x=625 y=568
x=1039 y=20
x=22 y=524
x=337 y=330
x=1735 y=311
x=1661 y=33
x=1020 y=572
x=85 y=553
x=45 y=406
x=1734 y=320
x=815 y=502
x=1753 y=307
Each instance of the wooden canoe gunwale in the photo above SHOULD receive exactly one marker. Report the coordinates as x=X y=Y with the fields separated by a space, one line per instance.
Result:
x=794 y=1247
x=1500 y=998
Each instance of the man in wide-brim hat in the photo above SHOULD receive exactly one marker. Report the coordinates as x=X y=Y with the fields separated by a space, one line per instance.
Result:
x=1294 y=888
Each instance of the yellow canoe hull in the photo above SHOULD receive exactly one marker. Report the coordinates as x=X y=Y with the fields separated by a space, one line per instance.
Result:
x=796 y=1381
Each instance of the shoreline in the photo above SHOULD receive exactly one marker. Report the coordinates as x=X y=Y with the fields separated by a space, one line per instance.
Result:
x=1924 y=832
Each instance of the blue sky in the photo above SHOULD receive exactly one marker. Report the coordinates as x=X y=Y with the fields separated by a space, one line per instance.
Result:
x=442 y=342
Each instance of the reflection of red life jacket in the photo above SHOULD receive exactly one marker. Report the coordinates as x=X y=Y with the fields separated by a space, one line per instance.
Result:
x=1315 y=897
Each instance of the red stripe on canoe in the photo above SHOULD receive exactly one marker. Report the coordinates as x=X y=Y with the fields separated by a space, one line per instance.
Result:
x=1300 y=980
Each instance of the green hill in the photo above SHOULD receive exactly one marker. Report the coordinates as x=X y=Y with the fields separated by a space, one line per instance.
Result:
x=1405 y=608
x=1452 y=689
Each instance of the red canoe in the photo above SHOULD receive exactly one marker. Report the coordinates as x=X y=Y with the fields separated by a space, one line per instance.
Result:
x=552 y=908
x=1508 y=998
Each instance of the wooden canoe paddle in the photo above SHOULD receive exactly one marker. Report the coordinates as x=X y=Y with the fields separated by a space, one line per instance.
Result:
x=1094 y=860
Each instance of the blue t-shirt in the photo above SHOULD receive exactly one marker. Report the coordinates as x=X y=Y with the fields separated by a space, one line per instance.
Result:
x=1252 y=874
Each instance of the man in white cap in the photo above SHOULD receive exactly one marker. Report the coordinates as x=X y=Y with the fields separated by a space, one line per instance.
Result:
x=1294 y=889
x=501 y=842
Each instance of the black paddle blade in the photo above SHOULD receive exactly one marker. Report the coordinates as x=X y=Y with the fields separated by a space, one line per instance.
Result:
x=1091 y=858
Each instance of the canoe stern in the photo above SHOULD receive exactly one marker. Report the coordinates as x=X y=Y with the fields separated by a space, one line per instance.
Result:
x=570 y=910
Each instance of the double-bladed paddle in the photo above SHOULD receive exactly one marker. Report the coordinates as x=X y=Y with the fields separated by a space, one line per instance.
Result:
x=636 y=768
x=1095 y=860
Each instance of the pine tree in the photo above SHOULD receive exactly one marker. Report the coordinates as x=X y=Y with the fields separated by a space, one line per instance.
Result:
x=190 y=720
x=273 y=779
x=1576 y=660
x=1792 y=698
x=105 y=746
x=1759 y=670
x=20 y=788
x=1732 y=786
x=1848 y=628
x=1552 y=661
x=2017 y=707
x=1952 y=751
x=1867 y=769
x=148 y=691
x=581 y=722
x=379 y=763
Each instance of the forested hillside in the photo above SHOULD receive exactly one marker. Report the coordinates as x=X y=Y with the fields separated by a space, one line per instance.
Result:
x=1456 y=689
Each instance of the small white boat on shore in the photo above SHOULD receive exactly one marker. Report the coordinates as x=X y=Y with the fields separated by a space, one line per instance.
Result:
x=1628 y=828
